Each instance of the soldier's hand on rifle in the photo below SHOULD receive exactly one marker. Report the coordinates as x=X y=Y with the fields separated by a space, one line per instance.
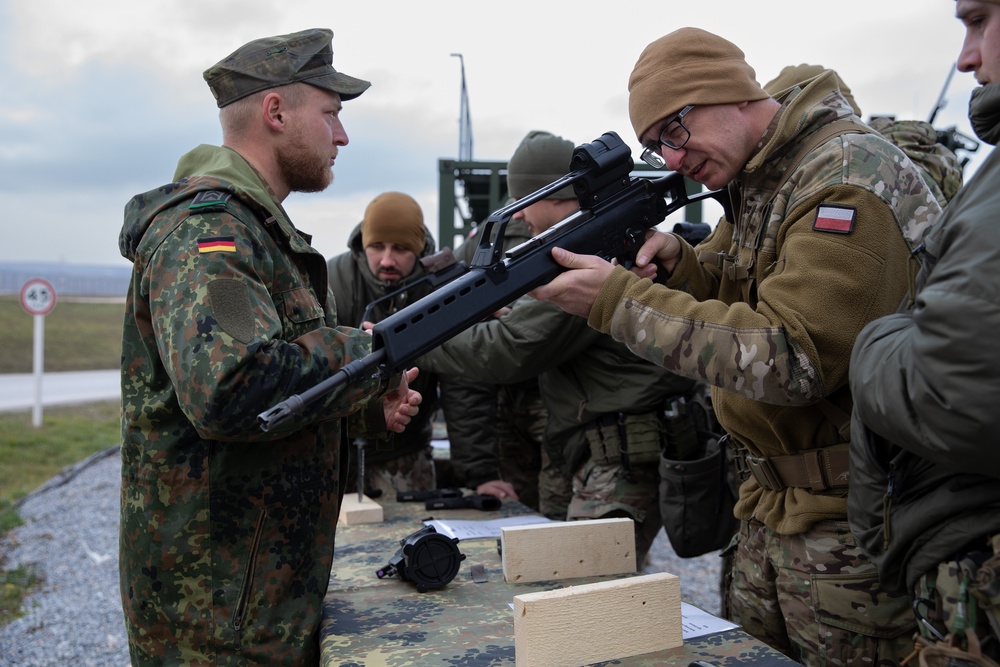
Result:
x=401 y=404
x=500 y=312
x=575 y=290
x=659 y=248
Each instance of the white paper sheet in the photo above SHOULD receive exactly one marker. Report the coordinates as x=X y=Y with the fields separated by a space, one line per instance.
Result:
x=472 y=529
x=696 y=622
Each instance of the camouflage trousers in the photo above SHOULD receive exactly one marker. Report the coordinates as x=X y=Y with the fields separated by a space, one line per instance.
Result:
x=604 y=491
x=521 y=419
x=410 y=472
x=816 y=597
x=960 y=599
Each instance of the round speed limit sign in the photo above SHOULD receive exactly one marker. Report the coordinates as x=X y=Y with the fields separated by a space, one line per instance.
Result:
x=38 y=297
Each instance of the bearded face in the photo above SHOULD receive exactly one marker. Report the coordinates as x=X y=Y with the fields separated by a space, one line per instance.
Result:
x=305 y=166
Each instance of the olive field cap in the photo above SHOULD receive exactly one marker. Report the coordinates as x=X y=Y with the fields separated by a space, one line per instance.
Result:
x=797 y=75
x=269 y=62
x=689 y=66
x=540 y=159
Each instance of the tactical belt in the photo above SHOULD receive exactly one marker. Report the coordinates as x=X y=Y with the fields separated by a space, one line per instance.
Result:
x=816 y=469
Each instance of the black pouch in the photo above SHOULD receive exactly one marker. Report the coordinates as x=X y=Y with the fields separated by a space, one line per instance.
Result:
x=697 y=499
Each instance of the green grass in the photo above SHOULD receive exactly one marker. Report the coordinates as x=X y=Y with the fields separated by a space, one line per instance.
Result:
x=79 y=336
x=30 y=455
x=15 y=583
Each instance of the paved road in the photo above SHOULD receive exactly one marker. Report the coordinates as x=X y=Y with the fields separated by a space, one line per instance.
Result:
x=18 y=390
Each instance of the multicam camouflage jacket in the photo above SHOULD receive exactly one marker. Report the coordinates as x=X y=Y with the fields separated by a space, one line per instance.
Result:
x=942 y=169
x=227 y=532
x=769 y=317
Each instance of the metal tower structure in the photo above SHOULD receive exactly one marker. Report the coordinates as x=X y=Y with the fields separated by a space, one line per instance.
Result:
x=469 y=190
x=464 y=118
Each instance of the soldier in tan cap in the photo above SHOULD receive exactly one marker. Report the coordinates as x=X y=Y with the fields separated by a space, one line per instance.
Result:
x=390 y=253
x=766 y=311
x=227 y=531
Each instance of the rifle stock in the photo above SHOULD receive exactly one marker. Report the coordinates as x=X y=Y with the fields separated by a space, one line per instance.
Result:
x=615 y=212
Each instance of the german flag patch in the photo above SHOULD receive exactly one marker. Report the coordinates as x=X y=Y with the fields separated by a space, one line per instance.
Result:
x=217 y=244
x=836 y=219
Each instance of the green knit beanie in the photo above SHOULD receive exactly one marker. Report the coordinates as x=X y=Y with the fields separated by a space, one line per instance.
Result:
x=540 y=159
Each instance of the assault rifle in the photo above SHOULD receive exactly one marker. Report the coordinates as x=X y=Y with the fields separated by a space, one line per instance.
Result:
x=442 y=268
x=615 y=212
x=950 y=137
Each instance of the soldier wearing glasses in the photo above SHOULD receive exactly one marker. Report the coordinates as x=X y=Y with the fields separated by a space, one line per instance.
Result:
x=766 y=311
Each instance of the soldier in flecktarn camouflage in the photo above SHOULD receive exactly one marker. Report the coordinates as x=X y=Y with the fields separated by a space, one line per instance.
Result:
x=227 y=531
x=825 y=213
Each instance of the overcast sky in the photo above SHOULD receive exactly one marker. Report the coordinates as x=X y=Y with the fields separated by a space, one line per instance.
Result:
x=102 y=97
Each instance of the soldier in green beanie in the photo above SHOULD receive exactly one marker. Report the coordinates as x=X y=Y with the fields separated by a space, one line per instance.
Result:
x=227 y=531
x=766 y=310
x=925 y=484
x=605 y=406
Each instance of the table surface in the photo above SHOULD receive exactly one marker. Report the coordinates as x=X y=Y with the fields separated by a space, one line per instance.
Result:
x=372 y=622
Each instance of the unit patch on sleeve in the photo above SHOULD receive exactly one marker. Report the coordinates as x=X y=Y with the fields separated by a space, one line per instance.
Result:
x=217 y=244
x=210 y=200
x=836 y=219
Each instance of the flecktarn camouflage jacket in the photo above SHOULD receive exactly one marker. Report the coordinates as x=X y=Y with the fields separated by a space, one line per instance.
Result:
x=227 y=532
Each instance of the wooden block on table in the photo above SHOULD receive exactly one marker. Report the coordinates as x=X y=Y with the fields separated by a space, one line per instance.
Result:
x=565 y=549
x=353 y=512
x=580 y=625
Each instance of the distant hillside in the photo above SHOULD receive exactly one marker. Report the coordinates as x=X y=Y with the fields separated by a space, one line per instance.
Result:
x=67 y=279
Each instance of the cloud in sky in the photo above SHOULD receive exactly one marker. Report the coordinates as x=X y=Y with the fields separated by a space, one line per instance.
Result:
x=101 y=98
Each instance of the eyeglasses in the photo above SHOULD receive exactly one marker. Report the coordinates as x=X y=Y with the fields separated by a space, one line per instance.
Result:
x=674 y=135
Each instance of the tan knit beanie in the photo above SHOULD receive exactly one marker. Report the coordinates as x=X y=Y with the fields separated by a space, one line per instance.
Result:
x=394 y=217
x=797 y=75
x=688 y=66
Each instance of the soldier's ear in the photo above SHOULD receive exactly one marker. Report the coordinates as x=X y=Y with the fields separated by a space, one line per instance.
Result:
x=272 y=108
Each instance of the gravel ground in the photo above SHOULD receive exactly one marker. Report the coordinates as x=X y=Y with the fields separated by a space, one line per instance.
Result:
x=70 y=538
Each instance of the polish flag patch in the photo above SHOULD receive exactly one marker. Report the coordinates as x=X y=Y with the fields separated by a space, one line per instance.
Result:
x=836 y=219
